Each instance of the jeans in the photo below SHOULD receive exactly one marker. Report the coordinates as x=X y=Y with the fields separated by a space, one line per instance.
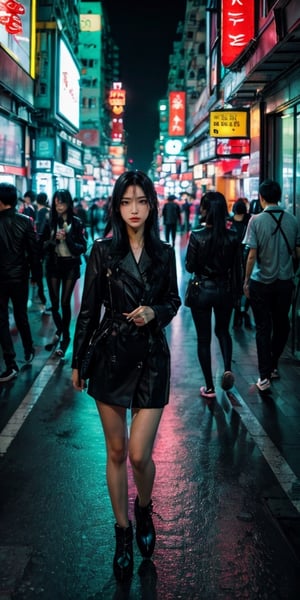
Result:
x=17 y=291
x=217 y=298
x=270 y=305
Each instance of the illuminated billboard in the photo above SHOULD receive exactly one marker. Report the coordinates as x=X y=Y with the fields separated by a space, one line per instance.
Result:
x=68 y=86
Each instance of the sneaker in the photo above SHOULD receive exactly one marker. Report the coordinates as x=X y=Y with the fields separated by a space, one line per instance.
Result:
x=263 y=384
x=9 y=374
x=227 y=380
x=59 y=352
x=275 y=374
x=207 y=393
x=29 y=356
x=62 y=347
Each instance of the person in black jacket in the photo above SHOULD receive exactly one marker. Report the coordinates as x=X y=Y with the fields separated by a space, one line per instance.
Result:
x=18 y=255
x=64 y=241
x=42 y=218
x=171 y=218
x=133 y=275
x=213 y=254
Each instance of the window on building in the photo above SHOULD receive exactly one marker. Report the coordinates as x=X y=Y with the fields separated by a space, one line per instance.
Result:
x=93 y=102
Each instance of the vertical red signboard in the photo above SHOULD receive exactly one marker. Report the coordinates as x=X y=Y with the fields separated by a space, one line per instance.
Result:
x=237 y=28
x=177 y=114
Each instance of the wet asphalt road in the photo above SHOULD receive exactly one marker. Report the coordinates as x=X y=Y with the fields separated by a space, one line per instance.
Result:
x=226 y=528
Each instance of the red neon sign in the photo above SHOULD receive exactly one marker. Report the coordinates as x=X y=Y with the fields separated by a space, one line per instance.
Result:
x=177 y=113
x=237 y=28
x=9 y=16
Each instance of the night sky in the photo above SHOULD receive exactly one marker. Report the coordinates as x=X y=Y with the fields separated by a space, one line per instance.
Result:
x=145 y=31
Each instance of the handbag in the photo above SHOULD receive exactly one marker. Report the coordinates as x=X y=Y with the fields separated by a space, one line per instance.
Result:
x=192 y=292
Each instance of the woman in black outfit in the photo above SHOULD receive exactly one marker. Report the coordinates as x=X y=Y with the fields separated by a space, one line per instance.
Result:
x=133 y=276
x=213 y=255
x=64 y=242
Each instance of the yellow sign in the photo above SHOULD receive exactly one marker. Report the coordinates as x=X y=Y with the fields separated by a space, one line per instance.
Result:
x=229 y=123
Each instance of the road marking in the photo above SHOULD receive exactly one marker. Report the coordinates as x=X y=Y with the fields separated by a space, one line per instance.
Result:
x=282 y=471
x=16 y=421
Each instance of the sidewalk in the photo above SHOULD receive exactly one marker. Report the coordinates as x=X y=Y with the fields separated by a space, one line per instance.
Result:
x=277 y=414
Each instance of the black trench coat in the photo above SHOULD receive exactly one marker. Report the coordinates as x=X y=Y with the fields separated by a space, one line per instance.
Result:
x=133 y=364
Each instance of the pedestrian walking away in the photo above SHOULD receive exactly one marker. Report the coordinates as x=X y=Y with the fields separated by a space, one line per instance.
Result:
x=18 y=257
x=64 y=242
x=213 y=256
x=171 y=218
x=42 y=219
x=240 y=220
x=273 y=237
x=133 y=275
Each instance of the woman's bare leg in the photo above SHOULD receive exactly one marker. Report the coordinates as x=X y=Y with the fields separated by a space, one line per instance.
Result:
x=116 y=437
x=143 y=431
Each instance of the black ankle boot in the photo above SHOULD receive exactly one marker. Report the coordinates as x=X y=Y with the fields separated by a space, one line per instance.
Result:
x=123 y=559
x=145 y=532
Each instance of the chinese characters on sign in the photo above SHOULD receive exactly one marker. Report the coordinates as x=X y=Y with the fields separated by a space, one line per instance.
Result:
x=229 y=123
x=237 y=28
x=117 y=100
x=177 y=114
x=9 y=16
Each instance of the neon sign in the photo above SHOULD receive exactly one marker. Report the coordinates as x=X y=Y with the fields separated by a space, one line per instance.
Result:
x=237 y=28
x=177 y=113
x=9 y=16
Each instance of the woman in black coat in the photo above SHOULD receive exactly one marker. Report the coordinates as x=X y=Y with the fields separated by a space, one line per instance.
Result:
x=213 y=255
x=63 y=241
x=131 y=277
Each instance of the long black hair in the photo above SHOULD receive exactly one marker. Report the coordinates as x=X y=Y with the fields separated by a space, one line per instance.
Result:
x=62 y=196
x=215 y=205
x=119 y=232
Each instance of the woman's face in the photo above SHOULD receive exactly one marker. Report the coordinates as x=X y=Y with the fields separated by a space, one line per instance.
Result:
x=134 y=207
x=60 y=207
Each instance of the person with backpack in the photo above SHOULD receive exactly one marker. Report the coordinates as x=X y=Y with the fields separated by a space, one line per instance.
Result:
x=273 y=238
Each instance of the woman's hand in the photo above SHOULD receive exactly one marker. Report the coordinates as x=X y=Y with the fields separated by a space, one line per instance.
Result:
x=140 y=315
x=78 y=384
x=60 y=234
x=246 y=289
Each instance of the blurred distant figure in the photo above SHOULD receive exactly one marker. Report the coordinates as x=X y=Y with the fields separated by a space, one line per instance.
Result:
x=171 y=218
x=42 y=219
x=28 y=204
x=186 y=210
x=94 y=218
x=240 y=220
x=81 y=212
x=245 y=201
x=18 y=255
x=255 y=207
